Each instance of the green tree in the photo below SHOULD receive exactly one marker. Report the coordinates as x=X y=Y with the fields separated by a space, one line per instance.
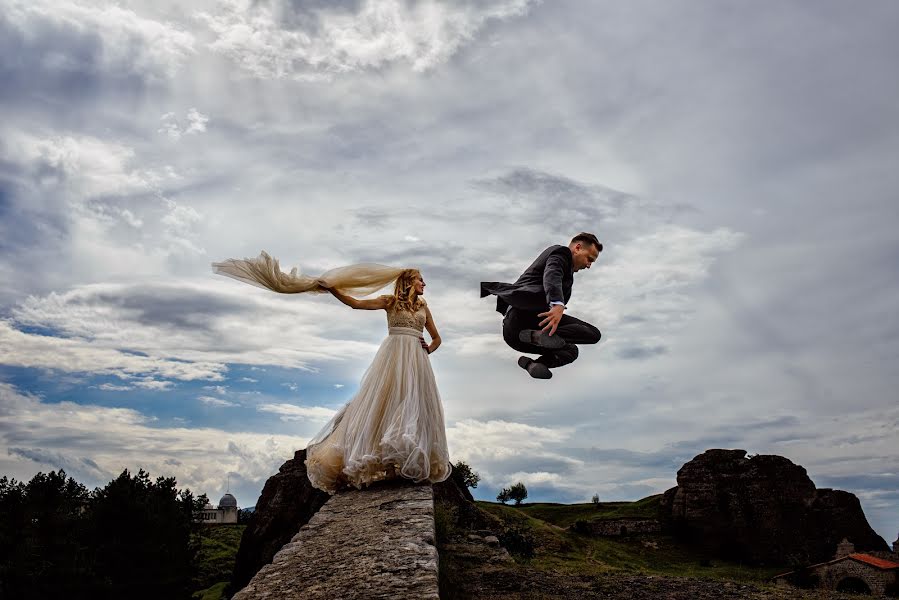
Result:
x=130 y=539
x=245 y=514
x=42 y=553
x=140 y=533
x=518 y=493
x=464 y=476
x=503 y=496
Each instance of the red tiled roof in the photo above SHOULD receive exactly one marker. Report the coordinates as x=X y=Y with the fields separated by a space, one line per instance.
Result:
x=873 y=561
x=880 y=563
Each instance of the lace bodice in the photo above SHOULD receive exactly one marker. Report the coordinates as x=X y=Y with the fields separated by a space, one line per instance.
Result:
x=404 y=318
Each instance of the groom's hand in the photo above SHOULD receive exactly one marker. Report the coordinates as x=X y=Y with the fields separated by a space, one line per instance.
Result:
x=553 y=316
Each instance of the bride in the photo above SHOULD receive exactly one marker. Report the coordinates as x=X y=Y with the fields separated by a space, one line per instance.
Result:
x=393 y=426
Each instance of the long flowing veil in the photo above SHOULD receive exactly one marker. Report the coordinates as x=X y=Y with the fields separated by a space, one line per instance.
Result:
x=265 y=272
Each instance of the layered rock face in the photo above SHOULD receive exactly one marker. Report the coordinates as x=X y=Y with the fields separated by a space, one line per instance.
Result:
x=287 y=503
x=376 y=543
x=763 y=509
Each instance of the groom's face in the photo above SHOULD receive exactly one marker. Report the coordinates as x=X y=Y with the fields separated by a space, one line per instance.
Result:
x=583 y=256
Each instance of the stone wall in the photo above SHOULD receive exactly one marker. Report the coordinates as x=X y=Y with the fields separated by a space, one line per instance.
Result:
x=617 y=527
x=831 y=574
x=374 y=543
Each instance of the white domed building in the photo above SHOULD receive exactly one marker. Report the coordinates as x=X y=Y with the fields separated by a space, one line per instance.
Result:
x=225 y=513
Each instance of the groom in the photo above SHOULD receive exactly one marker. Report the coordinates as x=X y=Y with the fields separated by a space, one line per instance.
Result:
x=534 y=319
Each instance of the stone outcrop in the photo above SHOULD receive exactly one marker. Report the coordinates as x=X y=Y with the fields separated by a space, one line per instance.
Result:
x=763 y=509
x=287 y=502
x=366 y=544
x=617 y=527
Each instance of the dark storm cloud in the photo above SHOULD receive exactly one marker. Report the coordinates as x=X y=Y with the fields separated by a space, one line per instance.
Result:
x=55 y=69
x=529 y=189
x=81 y=468
x=168 y=307
x=186 y=309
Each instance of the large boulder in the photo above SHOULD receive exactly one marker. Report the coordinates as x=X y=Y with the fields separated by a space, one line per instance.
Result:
x=287 y=503
x=763 y=509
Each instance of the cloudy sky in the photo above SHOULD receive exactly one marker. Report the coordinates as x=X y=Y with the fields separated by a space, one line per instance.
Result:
x=737 y=160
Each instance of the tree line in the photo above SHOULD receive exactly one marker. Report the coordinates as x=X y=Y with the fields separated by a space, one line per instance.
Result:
x=128 y=539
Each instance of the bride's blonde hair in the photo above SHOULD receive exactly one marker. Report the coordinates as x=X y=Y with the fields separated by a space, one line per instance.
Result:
x=404 y=295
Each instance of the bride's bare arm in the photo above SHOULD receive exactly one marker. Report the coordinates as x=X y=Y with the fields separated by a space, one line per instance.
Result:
x=432 y=331
x=370 y=304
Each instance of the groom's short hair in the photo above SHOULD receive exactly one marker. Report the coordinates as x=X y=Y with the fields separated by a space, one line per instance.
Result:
x=587 y=238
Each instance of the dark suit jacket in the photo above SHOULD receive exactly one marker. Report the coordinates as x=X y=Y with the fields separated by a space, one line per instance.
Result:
x=548 y=279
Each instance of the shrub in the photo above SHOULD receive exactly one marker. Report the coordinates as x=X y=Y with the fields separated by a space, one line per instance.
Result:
x=518 y=541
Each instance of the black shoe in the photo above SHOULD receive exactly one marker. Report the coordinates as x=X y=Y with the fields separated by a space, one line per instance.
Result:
x=535 y=369
x=542 y=339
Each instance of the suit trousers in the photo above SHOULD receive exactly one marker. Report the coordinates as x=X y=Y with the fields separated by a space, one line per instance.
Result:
x=571 y=329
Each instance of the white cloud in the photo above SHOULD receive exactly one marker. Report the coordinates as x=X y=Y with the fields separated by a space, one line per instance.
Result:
x=472 y=440
x=148 y=383
x=21 y=349
x=129 y=42
x=86 y=166
x=328 y=42
x=292 y=412
x=109 y=203
x=95 y=443
x=208 y=324
x=109 y=387
x=173 y=128
x=213 y=401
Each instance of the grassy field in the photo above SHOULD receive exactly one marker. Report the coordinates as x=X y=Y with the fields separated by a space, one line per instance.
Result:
x=564 y=515
x=559 y=550
x=218 y=548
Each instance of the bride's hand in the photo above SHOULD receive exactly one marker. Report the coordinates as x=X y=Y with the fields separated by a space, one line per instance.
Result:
x=424 y=345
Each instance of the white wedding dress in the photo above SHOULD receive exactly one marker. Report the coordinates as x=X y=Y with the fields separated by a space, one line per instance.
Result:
x=394 y=423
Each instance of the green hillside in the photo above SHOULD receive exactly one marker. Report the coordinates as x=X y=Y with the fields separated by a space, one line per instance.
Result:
x=564 y=515
x=215 y=560
x=543 y=528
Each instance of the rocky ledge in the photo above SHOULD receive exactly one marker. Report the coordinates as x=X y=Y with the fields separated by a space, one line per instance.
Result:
x=374 y=543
